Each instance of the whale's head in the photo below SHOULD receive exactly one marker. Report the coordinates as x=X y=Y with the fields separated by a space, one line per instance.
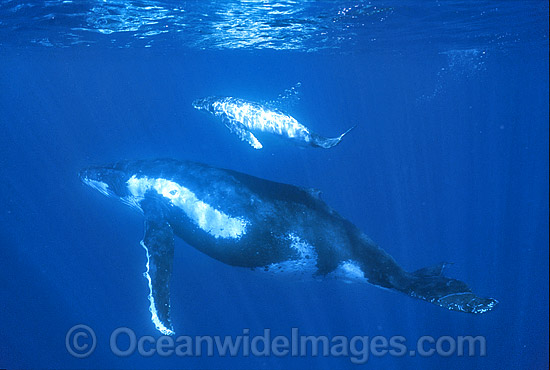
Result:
x=109 y=180
x=205 y=104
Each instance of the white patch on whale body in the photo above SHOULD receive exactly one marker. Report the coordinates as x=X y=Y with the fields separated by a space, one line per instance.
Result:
x=304 y=266
x=256 y=117
x=209 y=219
x=154 y=315
x=305 y=250
x=349 y=271
x=100 y=186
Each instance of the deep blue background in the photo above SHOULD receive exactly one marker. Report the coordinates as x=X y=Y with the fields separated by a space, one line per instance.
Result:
x=449 y=162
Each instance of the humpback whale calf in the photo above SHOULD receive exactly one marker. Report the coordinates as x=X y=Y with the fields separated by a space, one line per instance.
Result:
x=250 y=222
x=246 y=119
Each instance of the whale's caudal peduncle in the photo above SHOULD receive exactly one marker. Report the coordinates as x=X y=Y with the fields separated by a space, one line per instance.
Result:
x=246 y=118
x=246 y=221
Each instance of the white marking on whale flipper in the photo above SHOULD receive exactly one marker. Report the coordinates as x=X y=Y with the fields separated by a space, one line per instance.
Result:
x=209 y=219
x=152 y=307
x=243 y=133
x=158 y=243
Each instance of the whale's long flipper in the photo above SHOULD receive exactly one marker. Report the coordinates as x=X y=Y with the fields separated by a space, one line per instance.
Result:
x=429 y=284
x=328 y=142
x=159 y=246
x=242 y=132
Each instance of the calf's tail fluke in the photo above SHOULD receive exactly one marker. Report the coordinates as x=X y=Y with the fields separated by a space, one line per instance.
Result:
x=430 y=285
x=328 y=142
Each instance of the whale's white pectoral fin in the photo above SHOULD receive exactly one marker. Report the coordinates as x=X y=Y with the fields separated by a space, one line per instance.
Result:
x=243 y=133
x=255 y=143
x=159 y=246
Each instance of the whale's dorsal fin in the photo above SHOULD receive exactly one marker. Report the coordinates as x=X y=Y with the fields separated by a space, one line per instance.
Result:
x=287 y=99
x=159 y=246
x=436 y=270
x=242 y=132
x=315 y=193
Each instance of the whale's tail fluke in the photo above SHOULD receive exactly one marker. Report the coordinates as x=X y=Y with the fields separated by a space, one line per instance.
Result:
x=430 y=285
x=328 y=142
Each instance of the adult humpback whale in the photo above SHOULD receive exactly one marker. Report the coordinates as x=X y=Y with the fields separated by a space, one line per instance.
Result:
x=246 y=119
x=246 y=221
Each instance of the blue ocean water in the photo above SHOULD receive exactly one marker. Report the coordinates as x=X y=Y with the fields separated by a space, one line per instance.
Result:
x=449 y=162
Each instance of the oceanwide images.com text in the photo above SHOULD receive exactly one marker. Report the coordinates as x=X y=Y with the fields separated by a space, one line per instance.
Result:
x=81 y=341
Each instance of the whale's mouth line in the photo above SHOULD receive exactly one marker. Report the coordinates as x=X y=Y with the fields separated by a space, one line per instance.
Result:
x=100 y=186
